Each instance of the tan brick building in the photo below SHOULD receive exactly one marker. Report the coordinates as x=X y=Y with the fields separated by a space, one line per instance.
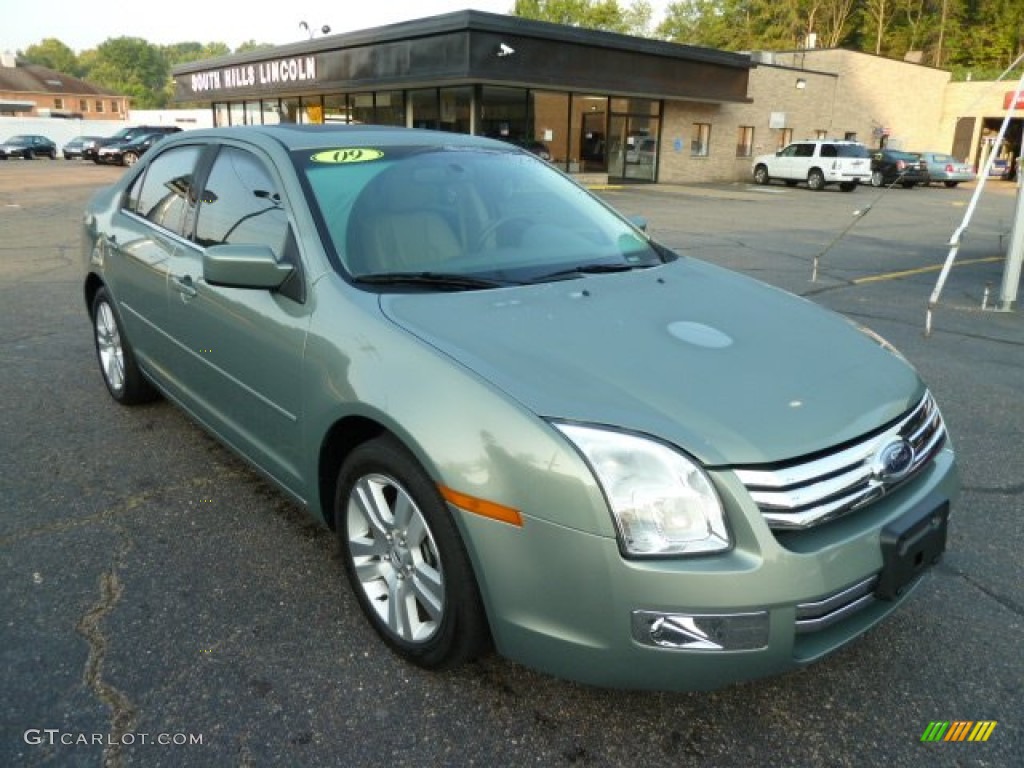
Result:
x=29 y=90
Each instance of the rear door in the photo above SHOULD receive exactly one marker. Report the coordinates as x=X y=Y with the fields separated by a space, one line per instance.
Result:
x=146 y=233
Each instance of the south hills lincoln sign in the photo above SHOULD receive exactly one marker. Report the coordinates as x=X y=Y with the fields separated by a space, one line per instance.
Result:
x=273 y=74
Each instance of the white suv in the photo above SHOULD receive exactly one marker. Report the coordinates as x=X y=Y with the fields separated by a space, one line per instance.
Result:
x=818 y=162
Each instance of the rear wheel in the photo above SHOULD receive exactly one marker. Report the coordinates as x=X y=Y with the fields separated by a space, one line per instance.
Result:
x=121 y=373
x=404 y=558
x=877 y=179
x=761 y=175
x=816 y=179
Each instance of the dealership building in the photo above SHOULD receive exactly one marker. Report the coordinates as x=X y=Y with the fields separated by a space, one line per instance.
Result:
x=605 y=105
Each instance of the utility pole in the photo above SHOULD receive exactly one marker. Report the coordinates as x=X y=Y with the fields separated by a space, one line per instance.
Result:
x=1015 y=253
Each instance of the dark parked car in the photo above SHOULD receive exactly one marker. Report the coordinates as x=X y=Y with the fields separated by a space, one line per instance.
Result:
x=28 y=146
x=890 y=166
x=127 y=152
x=74 y=148
x=90 y=151
x=527 y=422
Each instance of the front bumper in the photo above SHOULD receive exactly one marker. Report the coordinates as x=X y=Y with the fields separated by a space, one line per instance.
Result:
x=567 y=603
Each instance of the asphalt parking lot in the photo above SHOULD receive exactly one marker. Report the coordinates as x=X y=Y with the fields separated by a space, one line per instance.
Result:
x=154 y=589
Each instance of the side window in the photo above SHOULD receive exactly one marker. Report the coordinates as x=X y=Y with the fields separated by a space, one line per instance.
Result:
x=163 y=194
x=789 y=151
x=804 y=150
x=829 y=150
x=241 y=204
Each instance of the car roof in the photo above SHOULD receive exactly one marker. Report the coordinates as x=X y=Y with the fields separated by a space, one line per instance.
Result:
x=296 y=137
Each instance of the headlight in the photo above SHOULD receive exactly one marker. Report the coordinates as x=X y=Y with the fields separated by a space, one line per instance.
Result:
x=662 y=502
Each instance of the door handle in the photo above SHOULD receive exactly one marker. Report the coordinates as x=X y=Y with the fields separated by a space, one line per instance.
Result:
x=185 y=286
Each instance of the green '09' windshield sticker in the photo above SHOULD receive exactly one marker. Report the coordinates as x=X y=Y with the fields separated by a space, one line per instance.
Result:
x=350 y=155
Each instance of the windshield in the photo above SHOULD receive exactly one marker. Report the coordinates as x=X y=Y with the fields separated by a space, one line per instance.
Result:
x=19 y=140
x=455 y=212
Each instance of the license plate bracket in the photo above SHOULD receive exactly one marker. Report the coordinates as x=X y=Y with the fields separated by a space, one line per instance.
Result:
x=910 y=545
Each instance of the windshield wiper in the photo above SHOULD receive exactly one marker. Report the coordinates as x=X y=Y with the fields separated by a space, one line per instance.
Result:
x=449 y=280
x=588 y=269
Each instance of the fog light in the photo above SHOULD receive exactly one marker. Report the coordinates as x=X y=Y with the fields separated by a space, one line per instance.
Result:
x=702 y=632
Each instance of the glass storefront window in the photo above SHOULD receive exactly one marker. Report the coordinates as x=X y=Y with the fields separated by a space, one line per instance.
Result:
x=221 y=115
x=252 y=113
x=237 y=113
x=271 y=111
x=588 y=133
x=312 y=112
x=550 y=118
x=425 y=109
x=336 y=109
x=456 y=108
x=503 y=114
x=361 y=108
x=390 y=108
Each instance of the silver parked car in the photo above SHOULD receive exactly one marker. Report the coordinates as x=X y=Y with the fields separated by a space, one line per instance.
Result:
x=530 y=425
x=946 y=169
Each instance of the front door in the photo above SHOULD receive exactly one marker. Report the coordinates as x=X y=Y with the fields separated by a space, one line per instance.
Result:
x=242 y=348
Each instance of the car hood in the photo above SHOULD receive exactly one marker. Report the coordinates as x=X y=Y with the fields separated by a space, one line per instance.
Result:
x=727 y=368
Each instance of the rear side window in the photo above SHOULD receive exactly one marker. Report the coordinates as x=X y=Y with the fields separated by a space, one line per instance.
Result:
x=853 y=150
x=804 y=150
x=829 y=150
x=164 y=193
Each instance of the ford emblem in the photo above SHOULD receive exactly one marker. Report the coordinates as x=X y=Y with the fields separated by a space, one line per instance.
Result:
x=894 y=460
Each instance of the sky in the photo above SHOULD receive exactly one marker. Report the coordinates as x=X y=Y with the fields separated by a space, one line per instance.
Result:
x=85 y=25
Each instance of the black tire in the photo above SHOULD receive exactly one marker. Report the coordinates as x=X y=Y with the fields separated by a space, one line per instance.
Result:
x=951 y=184
x=816 y=179
x=847 y=186
x=761 y=175
x=443 y=623
x=121 y=373
x=877 y=180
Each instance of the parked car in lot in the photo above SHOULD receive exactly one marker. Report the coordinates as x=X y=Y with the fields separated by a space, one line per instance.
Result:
x=90 y=150
x=28 y=146
x=74 y=148
x=127 y=151
x=819 y=163
x=891 y=166
x=946 y=169
x=528 y=422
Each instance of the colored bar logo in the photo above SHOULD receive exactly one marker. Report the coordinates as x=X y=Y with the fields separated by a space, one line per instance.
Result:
x=959 y=730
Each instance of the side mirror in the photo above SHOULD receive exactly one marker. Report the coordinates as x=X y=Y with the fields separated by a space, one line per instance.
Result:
x=244 y=266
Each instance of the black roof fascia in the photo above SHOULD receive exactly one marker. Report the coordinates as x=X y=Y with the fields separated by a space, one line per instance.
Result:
x=480 y=21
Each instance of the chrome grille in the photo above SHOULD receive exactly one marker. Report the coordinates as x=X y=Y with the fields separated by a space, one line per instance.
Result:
x=821 y=614
x=803 y=494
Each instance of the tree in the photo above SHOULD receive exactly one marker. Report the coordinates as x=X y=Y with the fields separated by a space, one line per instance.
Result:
x=606 y=15
x=53 y=54
x=131 y=66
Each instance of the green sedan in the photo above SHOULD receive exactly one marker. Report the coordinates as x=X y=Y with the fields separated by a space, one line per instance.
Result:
x=533 y=428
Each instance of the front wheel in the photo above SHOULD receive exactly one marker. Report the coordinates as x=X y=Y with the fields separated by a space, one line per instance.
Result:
x=877 y=179
x=404 y=558
x=129 y=159
x=761 y=175
x=816 y=180
x=121 y=373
